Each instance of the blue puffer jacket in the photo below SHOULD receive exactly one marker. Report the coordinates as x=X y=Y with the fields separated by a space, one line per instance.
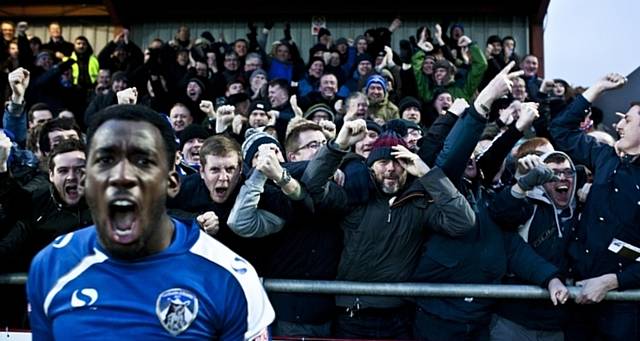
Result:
x=612 y=209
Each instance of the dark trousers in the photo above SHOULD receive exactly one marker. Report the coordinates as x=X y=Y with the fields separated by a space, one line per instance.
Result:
x=604 y=321
x=432 y=328
x=374 y=323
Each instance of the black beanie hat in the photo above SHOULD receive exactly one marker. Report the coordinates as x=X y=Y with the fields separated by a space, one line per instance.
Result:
x=363 y=56
x=199 y=82
x=254 y=138
x=259 y=105
x=381 y=149
x=408 y=102
x=372 y=125
x=192 y=131
x=396 y=125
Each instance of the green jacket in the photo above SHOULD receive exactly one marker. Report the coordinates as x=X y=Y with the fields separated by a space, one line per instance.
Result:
x=426 y=87
x=385 y=110
x=94 y=68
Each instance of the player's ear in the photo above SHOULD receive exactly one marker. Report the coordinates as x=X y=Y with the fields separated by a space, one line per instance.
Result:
x=173 y=184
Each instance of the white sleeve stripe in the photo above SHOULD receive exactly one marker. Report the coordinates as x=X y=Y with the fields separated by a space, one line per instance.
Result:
x=84 y=264
x=259 y=310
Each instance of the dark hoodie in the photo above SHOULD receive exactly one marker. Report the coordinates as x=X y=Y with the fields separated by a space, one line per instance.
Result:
x=548 y=230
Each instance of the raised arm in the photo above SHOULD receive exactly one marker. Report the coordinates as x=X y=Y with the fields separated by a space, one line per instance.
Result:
x=565 y=129
x=465 y=134
x=449 y=212
x=246 y=219
x=324 y=165
x=14 y=118
x=492 y=159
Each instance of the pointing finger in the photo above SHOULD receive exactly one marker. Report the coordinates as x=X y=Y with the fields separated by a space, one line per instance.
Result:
x=508 y=68
x=515 y=74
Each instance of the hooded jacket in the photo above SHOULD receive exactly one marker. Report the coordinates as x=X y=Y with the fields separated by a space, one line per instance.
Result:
x=548 y=230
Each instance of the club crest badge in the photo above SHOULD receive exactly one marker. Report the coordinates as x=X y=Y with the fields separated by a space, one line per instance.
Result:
x=176 y=309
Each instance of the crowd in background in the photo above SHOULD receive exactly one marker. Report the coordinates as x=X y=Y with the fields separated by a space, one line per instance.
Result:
x=442 y=160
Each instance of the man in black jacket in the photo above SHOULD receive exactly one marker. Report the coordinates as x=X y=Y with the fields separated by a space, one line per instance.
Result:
x=60 y=47
x=383 y=236
x=55 y=210
x=602 y=252
x=52 y=211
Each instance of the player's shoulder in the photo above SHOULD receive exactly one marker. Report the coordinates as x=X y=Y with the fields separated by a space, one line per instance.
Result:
x=220 y=256
x=66 y=251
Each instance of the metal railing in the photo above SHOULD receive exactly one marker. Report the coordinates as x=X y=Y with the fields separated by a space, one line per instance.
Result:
x=401 y=289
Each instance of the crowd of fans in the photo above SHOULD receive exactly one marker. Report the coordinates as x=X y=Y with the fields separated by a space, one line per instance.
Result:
x=447 y=160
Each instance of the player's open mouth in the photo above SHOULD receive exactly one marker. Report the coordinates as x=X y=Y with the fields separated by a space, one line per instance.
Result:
x=123 y=220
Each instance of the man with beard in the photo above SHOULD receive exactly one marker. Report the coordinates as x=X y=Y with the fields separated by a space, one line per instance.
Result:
x=129 y=268
x=609 y=223
x=383 y=236
x=544 y=215
x=85 y=70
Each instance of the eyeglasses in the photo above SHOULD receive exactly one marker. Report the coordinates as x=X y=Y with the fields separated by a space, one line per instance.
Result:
x=414 y=133
x=566 y=172
x=312 y=145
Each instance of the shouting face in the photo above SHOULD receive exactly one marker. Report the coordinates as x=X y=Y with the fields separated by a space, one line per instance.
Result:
x=629 y=130
x=560 y=191
x=68 y=169
x=127 y=183
x=221 y=175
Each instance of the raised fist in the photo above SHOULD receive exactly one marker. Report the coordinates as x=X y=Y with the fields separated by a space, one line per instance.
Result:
x=351 y=133
x=128 y=96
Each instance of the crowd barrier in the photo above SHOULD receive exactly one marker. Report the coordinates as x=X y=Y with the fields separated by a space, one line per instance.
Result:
x=401 y=289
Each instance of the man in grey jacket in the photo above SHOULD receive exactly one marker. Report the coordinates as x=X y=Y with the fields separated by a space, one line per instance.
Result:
x=383 y=236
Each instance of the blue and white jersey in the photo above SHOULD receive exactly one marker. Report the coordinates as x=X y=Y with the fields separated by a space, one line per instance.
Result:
x=195 y=289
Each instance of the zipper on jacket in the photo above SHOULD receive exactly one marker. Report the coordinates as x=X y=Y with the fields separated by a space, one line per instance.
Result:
x=390 y=205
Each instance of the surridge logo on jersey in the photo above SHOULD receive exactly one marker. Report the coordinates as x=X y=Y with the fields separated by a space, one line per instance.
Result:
x=176 y=309
x=88 y=296
x=239 y=265
x=62 y=241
